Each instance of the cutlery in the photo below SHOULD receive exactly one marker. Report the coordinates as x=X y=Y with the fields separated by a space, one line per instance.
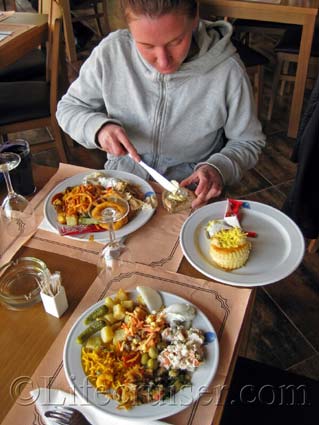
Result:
x=166 y=184
x=67 y=416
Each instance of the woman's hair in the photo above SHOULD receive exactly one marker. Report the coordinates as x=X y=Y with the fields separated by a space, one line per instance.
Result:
x=156 y=8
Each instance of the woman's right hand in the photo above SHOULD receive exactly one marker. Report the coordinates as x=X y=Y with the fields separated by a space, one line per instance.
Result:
x=113 y=139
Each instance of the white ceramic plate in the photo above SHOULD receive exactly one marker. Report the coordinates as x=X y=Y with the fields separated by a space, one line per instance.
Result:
x=151 y=411
x=138 y=221
x=276 y=252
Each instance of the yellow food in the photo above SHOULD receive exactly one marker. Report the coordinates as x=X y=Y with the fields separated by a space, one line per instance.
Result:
x=114 y=367
x=230 y=248
x=86 y=201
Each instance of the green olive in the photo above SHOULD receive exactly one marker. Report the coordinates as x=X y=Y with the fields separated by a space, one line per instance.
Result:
x=144 y=359
x=153 y=353
x=152 y=364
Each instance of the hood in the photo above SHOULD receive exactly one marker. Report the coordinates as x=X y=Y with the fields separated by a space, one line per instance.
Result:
x=214 y=42
x=215 y=46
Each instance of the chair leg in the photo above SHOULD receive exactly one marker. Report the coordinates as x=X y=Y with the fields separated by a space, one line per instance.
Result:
x=106 y=18
x=313 y=245
x=258 y=82
x=274 y=87
x=68 y=32
x=3 y=138
x=98 y=22
x=285 y=70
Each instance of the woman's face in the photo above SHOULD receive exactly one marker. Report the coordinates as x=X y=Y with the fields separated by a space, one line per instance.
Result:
x=163 y=41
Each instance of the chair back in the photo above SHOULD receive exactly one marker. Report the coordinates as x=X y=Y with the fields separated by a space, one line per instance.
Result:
x=41 y=113
x=54 y=51
x=54 y=64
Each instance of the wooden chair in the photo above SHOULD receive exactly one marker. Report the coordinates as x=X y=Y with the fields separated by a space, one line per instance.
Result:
x=244 y=28
x=287 y=51
x=254 y=63
x=28 y=105
x=88 y=10
x=76 y=14
x=13 y=5
x=313 y=245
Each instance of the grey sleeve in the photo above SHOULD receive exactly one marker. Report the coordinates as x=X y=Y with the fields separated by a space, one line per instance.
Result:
x=81 y=112
x=243 y=132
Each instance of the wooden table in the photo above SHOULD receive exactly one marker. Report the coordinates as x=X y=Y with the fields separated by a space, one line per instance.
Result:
x=29 y=30
x=27 y=335
x=298 y=12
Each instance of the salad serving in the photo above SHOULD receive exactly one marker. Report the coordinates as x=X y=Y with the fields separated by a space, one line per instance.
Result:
x=138 y=351
x=79 y=208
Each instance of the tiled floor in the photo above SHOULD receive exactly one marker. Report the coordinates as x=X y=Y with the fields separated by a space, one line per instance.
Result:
x=285 y=321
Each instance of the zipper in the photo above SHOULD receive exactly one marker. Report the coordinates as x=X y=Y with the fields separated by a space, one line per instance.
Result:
x=158 y=120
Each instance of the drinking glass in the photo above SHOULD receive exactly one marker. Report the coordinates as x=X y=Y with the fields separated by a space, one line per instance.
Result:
x=114 y=251
x=21 y=176
x=16 y=212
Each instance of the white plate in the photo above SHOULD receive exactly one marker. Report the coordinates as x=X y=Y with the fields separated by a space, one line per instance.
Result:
x=276 y=252
x=201 y=378
x=138 y=221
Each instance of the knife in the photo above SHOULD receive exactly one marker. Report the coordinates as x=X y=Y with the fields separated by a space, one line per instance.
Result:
x=166 y=184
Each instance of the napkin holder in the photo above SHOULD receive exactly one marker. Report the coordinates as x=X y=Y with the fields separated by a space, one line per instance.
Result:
x=57 y=304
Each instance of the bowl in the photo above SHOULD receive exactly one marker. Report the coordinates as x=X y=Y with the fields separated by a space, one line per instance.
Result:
x=19 y=283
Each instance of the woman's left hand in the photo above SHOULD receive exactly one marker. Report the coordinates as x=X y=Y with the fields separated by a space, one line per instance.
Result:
x=209 y=184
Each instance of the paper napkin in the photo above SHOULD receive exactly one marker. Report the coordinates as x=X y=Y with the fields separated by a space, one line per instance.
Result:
x=48 y=399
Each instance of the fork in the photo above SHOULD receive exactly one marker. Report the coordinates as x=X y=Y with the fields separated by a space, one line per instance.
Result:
x=67 y=416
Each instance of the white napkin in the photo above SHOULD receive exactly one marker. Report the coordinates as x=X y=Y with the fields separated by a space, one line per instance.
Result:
x=47 y=399
x=44 y=225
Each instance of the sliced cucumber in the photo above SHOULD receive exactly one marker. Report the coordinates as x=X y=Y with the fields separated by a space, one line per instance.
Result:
x=89 y=331
x=98 y=312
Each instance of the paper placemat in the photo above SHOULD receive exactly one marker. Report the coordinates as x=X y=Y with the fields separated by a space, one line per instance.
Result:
x=155 y=244
x=225 y=306
x=6 y=14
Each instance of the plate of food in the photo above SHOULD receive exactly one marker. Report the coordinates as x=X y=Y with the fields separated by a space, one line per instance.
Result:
x=72 y=207
x=132 y=360
x=274 y=253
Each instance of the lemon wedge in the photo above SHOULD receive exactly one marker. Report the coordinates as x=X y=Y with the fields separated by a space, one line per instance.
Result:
x=152 y=298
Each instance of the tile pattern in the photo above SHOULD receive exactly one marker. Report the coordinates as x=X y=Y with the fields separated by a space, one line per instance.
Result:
x=284 y=330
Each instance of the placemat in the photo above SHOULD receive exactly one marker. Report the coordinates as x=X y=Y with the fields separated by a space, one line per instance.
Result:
x=6 y=14
x=155 y=244
x=225 y=306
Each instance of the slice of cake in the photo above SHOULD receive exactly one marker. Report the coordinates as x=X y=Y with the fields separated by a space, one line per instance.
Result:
x=230 y=248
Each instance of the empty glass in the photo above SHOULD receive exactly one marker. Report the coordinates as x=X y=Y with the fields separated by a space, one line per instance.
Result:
x=17 y=214
x=114 y=251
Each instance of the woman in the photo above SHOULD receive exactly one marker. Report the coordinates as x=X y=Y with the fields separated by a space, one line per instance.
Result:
x=170 y=90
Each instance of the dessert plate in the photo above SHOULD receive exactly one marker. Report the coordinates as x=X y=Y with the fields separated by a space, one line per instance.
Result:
x=276 y=252
x=138 y=221
x=201 y=378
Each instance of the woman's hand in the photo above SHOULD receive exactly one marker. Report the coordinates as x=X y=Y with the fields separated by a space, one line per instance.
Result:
x=209 y=184
x=113 y=139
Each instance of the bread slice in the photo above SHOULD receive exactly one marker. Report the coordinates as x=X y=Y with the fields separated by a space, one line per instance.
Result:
x=174 y=204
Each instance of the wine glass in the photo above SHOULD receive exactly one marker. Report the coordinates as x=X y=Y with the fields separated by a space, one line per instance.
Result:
x=114 y=251
x=16 y=212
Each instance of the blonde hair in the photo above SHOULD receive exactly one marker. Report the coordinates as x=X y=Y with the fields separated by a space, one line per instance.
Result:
x=156 y=8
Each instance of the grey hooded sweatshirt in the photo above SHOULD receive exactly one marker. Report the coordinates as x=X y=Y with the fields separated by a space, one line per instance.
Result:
x=202 y=113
